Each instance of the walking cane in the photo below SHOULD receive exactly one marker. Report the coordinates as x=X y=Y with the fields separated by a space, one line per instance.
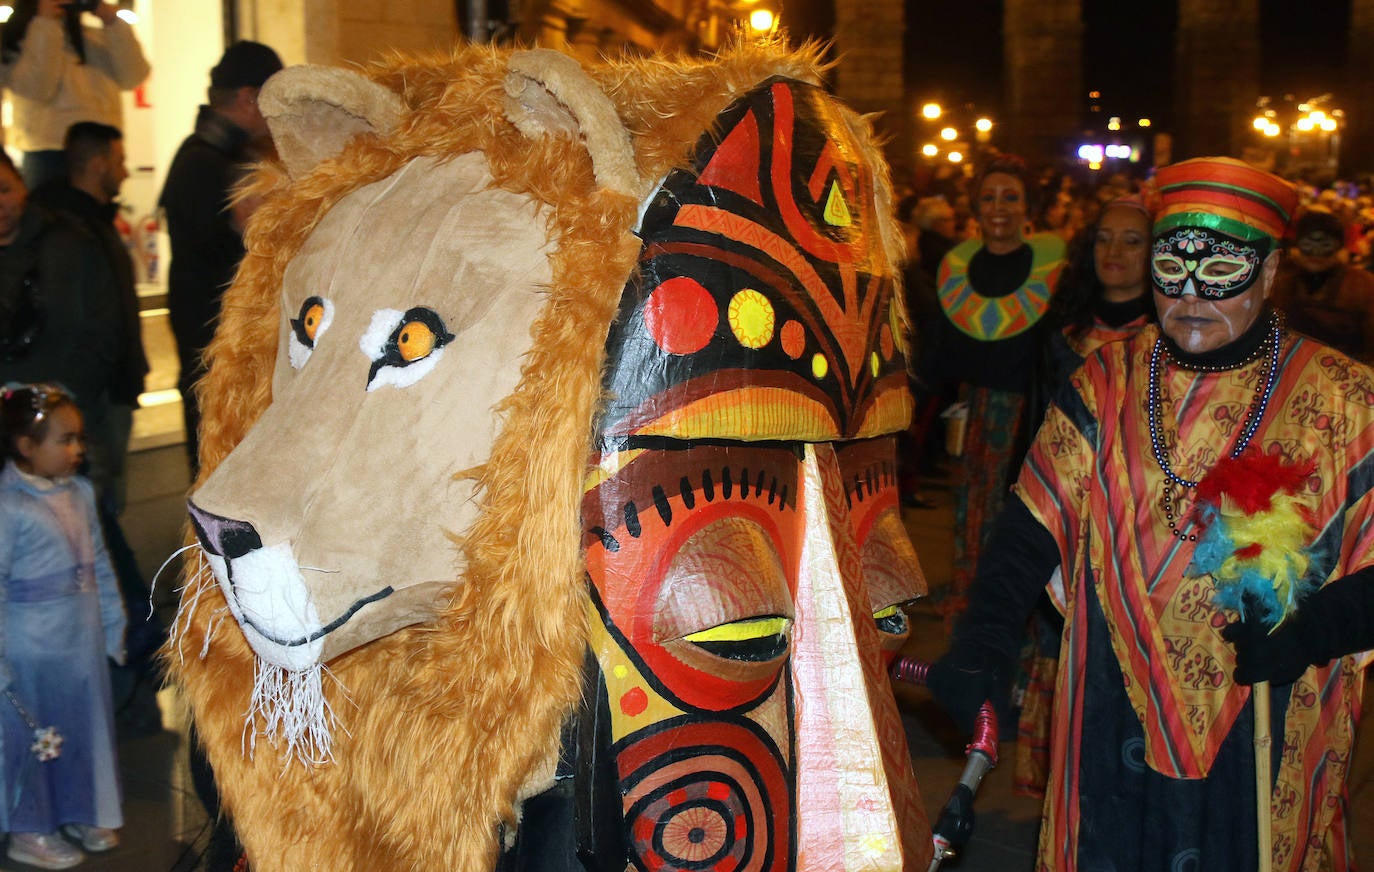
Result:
x=1254 y=541
x=1259 y=693
x=955 y=824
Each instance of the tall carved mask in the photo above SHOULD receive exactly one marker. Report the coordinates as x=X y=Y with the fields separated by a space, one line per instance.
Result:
x=745 y=550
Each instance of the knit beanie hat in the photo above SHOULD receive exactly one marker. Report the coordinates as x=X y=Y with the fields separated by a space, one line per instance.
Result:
x=245 y=64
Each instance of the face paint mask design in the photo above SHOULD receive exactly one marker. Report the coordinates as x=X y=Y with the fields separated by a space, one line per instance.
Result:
x=1318 y=244
x=1205 y=263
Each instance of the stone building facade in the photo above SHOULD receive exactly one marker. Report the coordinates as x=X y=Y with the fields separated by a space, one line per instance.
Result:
x=1217 y=55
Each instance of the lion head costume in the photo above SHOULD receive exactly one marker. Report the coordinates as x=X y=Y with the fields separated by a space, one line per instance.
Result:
x=547 y=476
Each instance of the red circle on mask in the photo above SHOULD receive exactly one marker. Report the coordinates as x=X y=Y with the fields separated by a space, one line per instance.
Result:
x=681 y=316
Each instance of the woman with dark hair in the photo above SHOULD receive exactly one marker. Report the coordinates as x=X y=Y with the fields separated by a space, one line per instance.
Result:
x=60 y=72
x=994 y=292
x=1103 y=296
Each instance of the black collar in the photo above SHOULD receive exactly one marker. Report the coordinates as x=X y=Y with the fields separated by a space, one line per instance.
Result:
x=1232 y=354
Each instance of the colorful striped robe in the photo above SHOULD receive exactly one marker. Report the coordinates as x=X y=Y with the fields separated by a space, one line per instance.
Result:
x=1142 y=645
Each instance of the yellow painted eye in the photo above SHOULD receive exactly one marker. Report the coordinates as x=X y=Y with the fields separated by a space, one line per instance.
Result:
x=416 y=341
x=1170 y=267
x=742 y=631
x=1221 y=268
x=753 y=640
x=311 y=318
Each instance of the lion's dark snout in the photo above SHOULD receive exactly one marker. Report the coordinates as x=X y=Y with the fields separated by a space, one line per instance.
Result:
x=223 y=537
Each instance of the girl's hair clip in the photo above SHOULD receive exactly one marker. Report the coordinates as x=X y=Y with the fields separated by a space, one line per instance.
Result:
x=43 y=397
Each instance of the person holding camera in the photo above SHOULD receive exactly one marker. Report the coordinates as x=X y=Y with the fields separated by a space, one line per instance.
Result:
x=60 y=72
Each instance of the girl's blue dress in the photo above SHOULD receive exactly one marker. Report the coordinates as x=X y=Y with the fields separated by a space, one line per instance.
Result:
x=62 y=618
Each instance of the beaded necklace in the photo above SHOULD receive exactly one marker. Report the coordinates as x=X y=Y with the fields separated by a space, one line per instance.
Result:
x=1269 y=348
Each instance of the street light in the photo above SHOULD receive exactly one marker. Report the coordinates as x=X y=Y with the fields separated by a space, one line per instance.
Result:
x=949 y=134
x=762 y=20
x=983 y=125
x=931 y=111
x=930 y=149
x=955 y=156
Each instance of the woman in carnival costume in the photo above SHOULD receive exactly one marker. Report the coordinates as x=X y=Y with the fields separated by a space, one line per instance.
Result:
x=1193 y=481
x=994 y=291
x=1103 y=296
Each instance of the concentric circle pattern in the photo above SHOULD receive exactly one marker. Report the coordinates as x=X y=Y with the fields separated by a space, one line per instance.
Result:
x=722 y=806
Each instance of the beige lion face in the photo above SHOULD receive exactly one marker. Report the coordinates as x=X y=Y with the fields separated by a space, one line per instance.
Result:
x=404 y=319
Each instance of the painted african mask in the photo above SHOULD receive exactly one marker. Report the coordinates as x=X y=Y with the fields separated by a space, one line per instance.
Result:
x=745 y=549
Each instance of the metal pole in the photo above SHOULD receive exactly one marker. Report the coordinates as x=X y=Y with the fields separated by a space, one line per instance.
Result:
x=478 y=21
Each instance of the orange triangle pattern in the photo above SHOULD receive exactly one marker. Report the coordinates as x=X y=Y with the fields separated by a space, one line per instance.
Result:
x=735 y=165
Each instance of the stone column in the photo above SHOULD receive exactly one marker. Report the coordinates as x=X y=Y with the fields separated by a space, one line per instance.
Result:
x=1357 y=143
x=1216 y=76
x=1043 y=51
x=301 y=31
x=868 y=41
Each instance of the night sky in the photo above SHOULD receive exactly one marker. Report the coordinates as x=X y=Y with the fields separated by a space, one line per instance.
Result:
x=954 y=50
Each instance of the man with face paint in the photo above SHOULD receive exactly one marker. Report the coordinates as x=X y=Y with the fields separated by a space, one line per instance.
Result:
x=1320 y=293
x=1152 y=761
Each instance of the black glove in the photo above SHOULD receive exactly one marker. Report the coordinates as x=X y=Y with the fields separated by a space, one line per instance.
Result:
x=962 y=682
x=1278 y=657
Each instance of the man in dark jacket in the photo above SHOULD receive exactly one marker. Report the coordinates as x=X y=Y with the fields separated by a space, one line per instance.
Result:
x=95 y=172
x=59 y=309
x=206 y=231
x=1321 y=293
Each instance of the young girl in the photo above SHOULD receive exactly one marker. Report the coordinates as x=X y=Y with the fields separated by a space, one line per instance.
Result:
x=61 y=617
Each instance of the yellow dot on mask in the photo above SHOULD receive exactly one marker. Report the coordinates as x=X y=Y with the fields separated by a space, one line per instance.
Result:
x=819 y=366
x=874 y=364
x=620 y=672
x=751 y=318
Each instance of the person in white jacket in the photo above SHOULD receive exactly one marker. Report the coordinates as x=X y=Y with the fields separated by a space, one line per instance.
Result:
x=60 y=72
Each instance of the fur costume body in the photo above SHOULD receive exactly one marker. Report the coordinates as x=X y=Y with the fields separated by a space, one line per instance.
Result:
x=411 y=361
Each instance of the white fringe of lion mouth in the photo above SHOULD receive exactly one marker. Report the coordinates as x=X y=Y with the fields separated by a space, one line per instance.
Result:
x=267 y=593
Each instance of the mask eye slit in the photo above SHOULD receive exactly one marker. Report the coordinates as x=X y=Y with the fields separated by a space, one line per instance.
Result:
x=1169 y=267
x=891 y=620
x=754 y=640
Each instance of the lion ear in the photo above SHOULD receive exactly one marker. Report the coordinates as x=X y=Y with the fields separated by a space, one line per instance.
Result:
x=549 y=94
x=314 y=111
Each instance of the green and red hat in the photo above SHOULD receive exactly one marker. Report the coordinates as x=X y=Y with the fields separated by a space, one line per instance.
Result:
x=1226 y=195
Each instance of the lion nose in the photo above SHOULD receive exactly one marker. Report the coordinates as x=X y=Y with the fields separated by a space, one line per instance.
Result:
x=223 y=537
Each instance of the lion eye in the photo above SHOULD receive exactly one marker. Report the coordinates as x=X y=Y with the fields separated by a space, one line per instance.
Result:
x=411 y=348
x=415 y=341
x=308 y=325
x=307 y=328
